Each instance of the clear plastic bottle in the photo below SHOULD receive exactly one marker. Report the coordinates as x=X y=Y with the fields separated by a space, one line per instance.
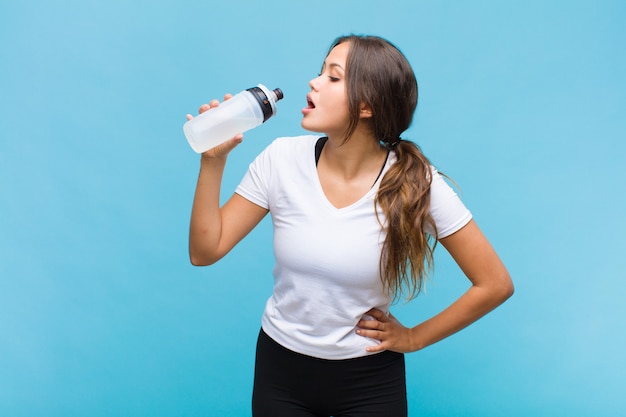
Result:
x=239 y=114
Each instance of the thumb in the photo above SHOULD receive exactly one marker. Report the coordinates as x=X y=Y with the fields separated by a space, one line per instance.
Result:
x=224 y=148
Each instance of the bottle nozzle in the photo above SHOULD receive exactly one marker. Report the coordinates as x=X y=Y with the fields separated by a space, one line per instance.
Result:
x=279 y=93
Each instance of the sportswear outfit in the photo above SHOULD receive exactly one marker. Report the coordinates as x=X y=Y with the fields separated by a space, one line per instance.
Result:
x=326 y=275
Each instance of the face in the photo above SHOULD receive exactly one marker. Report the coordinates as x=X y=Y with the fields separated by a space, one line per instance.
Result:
x=327 y=103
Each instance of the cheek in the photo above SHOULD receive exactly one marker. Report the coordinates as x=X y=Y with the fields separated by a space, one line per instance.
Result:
x=338 y=104
x=341 y=110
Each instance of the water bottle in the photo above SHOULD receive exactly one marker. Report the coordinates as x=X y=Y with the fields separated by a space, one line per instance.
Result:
x=239 y=114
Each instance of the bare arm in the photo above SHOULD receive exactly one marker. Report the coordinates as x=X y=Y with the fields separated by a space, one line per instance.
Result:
x=215 y=230
x=491 y=286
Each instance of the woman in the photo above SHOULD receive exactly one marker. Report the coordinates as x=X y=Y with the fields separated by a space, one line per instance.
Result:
x=356 y=215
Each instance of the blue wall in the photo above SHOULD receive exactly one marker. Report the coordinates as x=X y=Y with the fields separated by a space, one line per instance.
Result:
x=522 y=103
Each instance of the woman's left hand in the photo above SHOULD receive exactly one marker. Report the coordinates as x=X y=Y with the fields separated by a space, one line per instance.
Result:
x=491 y=286
x=386 y=328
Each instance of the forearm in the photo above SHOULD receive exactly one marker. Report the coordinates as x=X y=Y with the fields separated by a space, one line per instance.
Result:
x=491 y=286
x=206 y=221
x=470 y=307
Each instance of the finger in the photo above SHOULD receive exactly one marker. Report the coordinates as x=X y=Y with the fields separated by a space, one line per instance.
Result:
x=227 y=96
x=372 y=334
x=378 y=348
x=378 y=314
x=371 y=325
x=189 y=117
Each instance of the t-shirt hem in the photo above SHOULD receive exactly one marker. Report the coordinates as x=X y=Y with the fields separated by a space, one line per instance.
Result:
x=342 y=354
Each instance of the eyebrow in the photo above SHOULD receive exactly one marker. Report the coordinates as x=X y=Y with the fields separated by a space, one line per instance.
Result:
x=333 y=64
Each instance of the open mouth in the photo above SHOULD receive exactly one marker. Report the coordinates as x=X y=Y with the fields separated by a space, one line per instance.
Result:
x=310 y=106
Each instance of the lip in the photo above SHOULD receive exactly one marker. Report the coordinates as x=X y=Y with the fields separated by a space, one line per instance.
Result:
x=310 y=105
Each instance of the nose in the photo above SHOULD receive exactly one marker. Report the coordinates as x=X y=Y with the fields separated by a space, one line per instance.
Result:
x=314 y=83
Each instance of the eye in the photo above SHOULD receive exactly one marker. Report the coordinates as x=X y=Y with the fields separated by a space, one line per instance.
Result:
x=330 y=77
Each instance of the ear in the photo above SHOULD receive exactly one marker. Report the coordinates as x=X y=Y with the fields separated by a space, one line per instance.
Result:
x=365 y=112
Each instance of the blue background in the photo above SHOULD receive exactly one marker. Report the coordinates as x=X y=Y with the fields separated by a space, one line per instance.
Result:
x=523 y=104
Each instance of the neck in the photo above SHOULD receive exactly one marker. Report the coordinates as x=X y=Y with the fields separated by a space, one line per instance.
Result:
x=361 y=153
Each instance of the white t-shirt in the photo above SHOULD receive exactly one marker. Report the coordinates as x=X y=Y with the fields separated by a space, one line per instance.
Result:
x=327 y=259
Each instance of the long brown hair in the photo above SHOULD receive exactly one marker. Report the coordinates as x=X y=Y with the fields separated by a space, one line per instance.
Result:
x=379 y=75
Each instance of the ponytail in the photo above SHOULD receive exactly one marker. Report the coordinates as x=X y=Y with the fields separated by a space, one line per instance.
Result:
x=404 y=198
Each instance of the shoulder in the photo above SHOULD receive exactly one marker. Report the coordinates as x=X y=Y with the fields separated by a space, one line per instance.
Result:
x=284 y=152
x=446 y=207
x=290 y=148
x=293 y=143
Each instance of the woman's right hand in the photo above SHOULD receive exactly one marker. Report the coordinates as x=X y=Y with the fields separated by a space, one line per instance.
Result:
x=223 y=149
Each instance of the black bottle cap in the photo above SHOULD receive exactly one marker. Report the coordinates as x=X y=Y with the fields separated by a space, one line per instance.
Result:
x=264 y=101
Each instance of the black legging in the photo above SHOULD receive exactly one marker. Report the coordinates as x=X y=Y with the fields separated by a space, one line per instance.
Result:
x=289 y=384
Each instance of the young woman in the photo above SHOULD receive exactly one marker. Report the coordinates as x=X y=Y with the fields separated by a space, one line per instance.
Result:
x=356 y=215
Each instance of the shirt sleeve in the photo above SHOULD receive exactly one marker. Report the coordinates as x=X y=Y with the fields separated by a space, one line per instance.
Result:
x=254 y=185
x=446 y=208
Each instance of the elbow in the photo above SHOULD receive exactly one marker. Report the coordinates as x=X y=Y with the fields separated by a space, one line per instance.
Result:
x=505 y=289
x=511 y=289
x=197 y=259
x=202 y=255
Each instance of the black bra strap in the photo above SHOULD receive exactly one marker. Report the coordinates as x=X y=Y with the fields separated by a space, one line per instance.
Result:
x=318 y=148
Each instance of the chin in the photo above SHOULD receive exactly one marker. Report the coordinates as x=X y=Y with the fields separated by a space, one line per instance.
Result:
x=307 y=126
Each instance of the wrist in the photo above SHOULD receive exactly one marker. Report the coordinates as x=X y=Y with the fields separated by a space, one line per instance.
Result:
x=415 y=342
x=212 y=160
